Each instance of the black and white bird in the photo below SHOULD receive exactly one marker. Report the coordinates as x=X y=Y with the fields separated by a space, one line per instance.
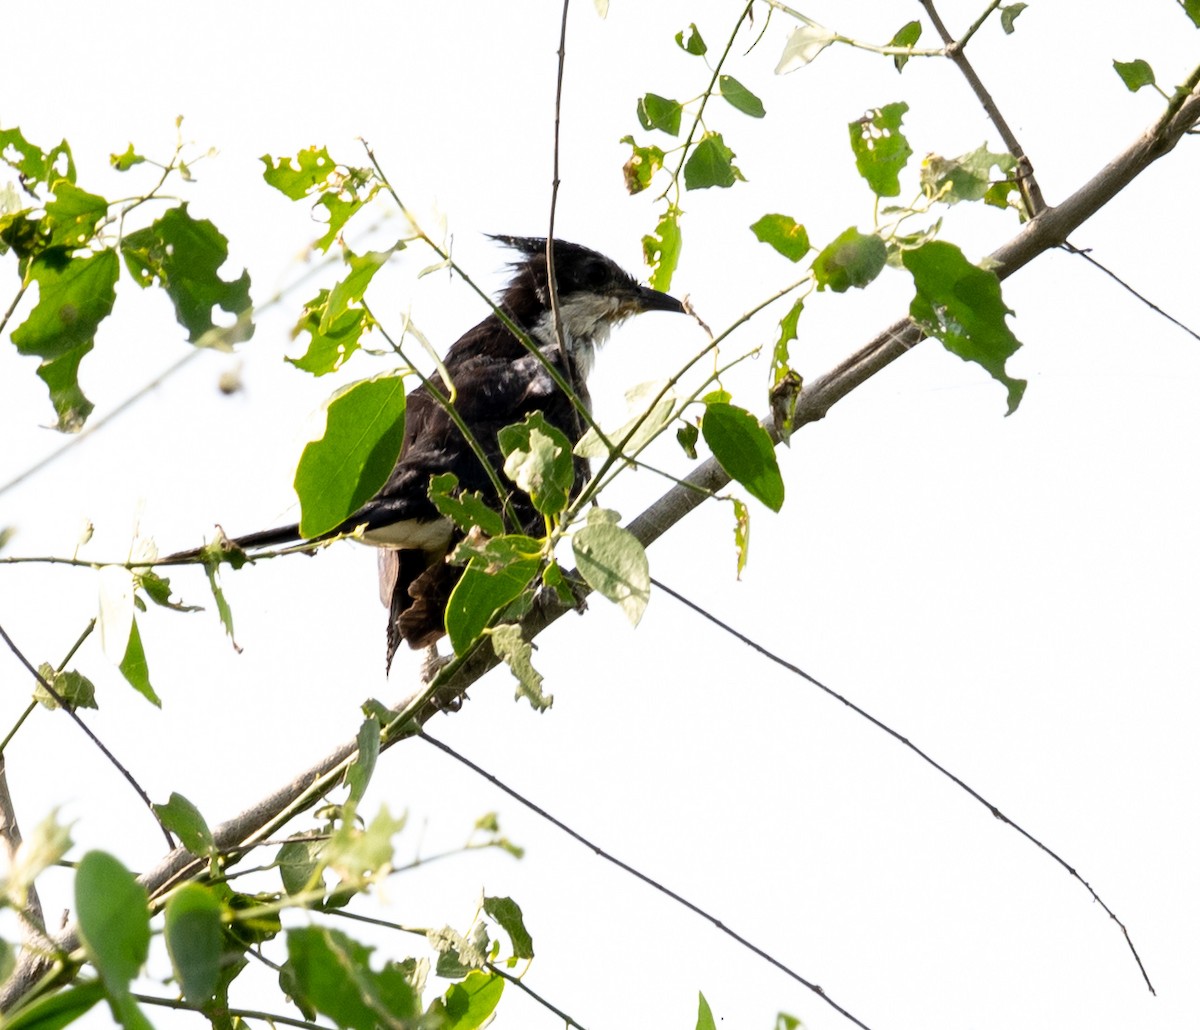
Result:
x=497 y=383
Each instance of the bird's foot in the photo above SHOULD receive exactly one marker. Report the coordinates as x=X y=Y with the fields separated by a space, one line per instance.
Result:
x=433 y=663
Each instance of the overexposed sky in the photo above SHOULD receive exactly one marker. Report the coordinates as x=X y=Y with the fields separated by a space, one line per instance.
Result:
x=1015 y=595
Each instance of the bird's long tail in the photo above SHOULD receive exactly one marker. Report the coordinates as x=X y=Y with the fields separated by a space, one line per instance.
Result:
x=249 y=542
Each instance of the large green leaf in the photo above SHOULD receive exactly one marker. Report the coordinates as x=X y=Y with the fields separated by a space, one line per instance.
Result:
x=960 y=303
x=613 y=562
x=711 y=164
x=469 y=1004
x=195 y=940
x=486 y=587
x=340 y=472
x=853 y=259
x=744 y=450
x=880 y=149
x=184 y=256
x=55 y=1011
x=184 y=820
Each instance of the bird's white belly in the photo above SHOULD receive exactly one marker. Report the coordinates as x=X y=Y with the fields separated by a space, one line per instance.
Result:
x=412 y=535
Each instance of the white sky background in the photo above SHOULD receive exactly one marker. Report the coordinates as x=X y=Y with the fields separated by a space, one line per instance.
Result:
x=1015 y=595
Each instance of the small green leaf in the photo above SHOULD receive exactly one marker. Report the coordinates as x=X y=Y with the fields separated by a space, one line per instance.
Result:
x=348 y=293
x=73 y=215
x=184 y=256
x=744 y=450
x=1192 y=9
x=740 y=97
x=517 y=653
x=783 y=233
x=537 y=457
x=32 y=164
x=960 y=303
x=880 y=149
x=1135 y=74
x=61 y=376
x=123 y=162
x=158 y=589
x=853 y=259
x=690 y=41
x=299 y=862
x=224 y=612
x=711 y=164
x=704 y=1018
x=331 y=341
x=467 y=510
x=310 y=171
x=195 y=939
x=346 y=467
x=741 y=534
x=184 y=820
x=688 y=435
x=641 y=166
x=780 y=353
x=358 y=773
x=613 y=562
x=967 y=177
x=508 y=914
x=661 y=250
x=1008 y=15
x=134 y=668
x=655 y=112
x=73 y=687
x=906 y=36
x=114 y=919
x=469 y=1004
x=485 y=589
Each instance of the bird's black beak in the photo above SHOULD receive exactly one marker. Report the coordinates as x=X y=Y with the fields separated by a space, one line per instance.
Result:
x=648 y=299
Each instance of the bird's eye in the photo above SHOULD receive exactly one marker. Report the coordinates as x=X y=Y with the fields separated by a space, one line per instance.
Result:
x=593 y=274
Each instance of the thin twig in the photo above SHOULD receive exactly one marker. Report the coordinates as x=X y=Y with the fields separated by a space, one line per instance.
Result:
x=1035 y=204
x=70 y=710
x=637 y=874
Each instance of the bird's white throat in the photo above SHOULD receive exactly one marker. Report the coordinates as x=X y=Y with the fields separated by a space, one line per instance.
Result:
x=587 y=319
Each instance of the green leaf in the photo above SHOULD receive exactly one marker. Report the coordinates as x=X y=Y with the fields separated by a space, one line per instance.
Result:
x=880 y=149
x=331 y=341
x=358 y=773
x=73 y=215
x=469 y=1004
x=690 y=41
x=310 y=171
x=332 y=973
x=960 y=304
x=704 y=1018
x=740 y=97
x=73 y=687
x=114 y=919
x=34 y=166
x=55 y=1011
x=184 y=820
x=744 y=450
x=783 y=233
x=184 y=256
x=537 y=457
x=688 y=434
x=1135 y=74
x=741 y=534
x=349 y=292
x=224 y=612
x=780 y=354
x=655 y=112
x=134 y=668
x=613 y=562
x=158 y=589
x=508 y=914
x=517 y=653
x=906 y=36
x=195 y=939
x=661 y=250
x=967 y=177
x=1192 y=9
x=485 y=589
x=357 y=853
x=467 y=510
x=346 y=467
x=299 y=862
x=711 y=164
x=123 y=162
x=853 y=259
x=74 y=296
x=641 y=166
x=1009 y=14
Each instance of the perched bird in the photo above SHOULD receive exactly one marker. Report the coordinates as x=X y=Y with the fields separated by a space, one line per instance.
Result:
x=497 y=382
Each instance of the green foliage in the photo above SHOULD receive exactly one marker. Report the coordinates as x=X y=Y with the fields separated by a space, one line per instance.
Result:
x=655 y=112
x=508 y=914
x=661 y=249
x=744 y=450
x=73 y=687
x=906 y=36
x=967 y=177
x=642 y=164
x=338 y=191
x=613 y=562
x=498 y=572
x=704 y=1017
x=184 y=820
x=1008 y=16
x=711 y=164
x=960 y=304
x=690 y=41
x=783 y=233
x=517 y=653
x=1135 y=74
x=358 y=774
x=880 y=149
x=467 y=510
x=1192 y=9
x=781 y=352
x=853 y=259
x=740 y=97
x=55 y=1011
x=332 y=341
x=195 y=940
x=537 y=457
x=345 y=468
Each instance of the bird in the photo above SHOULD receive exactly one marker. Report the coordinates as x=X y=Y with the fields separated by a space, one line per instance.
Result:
x=497 y=382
